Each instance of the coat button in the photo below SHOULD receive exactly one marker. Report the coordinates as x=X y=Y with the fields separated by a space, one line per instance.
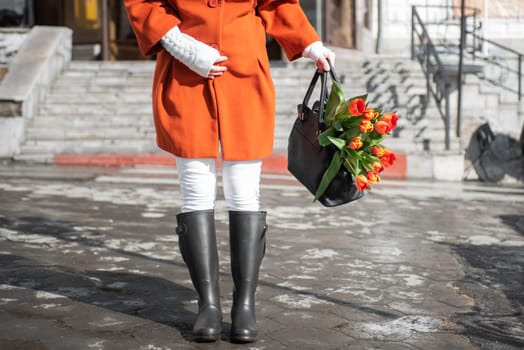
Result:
x=212 y=3
x=215 y=46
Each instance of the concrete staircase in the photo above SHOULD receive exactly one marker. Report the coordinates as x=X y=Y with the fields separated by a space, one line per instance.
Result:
x=94 y=107
x=497 y=105
x=104 y=107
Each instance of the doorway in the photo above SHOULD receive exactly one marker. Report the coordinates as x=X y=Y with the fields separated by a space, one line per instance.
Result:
x=340 y=23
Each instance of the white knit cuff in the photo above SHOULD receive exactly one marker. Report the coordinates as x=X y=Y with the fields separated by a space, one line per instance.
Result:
x=196 y=55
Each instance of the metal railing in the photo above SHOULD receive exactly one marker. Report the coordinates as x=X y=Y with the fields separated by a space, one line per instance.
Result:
x=508 y=63
x=448 y=19
x=502 y=67
x=437 y=81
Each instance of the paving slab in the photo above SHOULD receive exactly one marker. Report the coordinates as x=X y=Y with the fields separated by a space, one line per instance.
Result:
x=89 y=260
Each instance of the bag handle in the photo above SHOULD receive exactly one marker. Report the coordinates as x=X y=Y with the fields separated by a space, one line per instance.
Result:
x=324 y=94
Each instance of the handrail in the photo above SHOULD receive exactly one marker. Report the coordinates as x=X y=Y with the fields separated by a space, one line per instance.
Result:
x=433 y=69
x=474 y=42
x=470 y=12
x=517 y=71
x=494 y=43
x=474 y=11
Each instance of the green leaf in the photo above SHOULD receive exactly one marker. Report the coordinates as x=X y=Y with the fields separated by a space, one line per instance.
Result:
x=329 y=175
x=349 y=134
x=338 y=90
x=350 y=122
x=374 y=141
x=371 y=158
x=336 y=98
x=343 y=109
x=350 y=166
x=323 y=137
x=364 y=97
x=340 y=143
x=366 y=165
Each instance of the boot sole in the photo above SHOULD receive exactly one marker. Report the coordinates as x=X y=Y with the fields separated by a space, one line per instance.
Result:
x=207 y=338
x=243 y=339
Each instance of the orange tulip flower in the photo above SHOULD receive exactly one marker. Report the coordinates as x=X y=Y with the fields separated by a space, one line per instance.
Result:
x=356 y=143
x=362 y=182
x=357 y=107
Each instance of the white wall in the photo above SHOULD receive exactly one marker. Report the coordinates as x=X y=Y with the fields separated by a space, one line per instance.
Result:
x=396 y=31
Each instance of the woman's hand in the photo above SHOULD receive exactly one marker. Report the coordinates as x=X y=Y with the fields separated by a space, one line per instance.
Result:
x=320 y=55
x=217 y=70
x=322 y=62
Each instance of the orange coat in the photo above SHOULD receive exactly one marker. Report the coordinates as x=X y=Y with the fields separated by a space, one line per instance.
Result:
x=194 y=114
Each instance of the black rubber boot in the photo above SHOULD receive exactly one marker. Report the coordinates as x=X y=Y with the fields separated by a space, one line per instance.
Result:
x=247 y=238
x=197 y=241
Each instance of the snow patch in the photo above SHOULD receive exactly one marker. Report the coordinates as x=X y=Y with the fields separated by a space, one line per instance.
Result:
x=117 y=285
x=317 y=253
x=412 y=280
x=40 y=294
x=299 y=301
x=46 y=306
x=483 y=240
x=401 y=327
x=4 y=301
x=153 y=215
x=8 y=287
x=290 y=285
x=114 y=258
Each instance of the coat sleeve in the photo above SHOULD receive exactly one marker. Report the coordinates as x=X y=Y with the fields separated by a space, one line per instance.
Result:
x=287 y=23
x=151 y=20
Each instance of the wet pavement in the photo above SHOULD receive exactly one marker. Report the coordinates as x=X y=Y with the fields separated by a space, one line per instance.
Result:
x=89 y=260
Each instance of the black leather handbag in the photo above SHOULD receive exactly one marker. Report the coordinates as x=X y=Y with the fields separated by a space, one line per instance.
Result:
x=307 y=160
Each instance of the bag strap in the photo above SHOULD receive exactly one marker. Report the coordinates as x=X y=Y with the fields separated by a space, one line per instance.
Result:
x=324 y=95
x=324 y=92
x=310 y=89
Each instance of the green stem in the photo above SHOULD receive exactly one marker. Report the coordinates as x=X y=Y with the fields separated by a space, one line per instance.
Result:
x=353 y=170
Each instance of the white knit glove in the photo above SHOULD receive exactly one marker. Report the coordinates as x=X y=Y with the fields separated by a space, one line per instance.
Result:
x=319 y=54
x=196 y=55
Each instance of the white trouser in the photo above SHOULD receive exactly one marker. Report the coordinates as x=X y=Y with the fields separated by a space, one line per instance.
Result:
x=198 y=182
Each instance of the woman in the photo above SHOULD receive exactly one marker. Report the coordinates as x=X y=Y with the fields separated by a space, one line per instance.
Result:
x=213 y=96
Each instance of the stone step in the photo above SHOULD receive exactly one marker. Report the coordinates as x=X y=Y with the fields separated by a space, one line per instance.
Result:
x=62 y=86
x=29 y=157
x=509 y=97
x=109 y=109
x=97 y=97
x=97 y=124
x=42 y=149
x=97 y=121
x=115 y=84
x=133 y=66
x=85 y=90
x=89 y=146
x=72 y=75
x=90 y=134
x=117 y=110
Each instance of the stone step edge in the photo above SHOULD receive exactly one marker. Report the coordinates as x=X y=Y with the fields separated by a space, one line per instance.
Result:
x=274 y=164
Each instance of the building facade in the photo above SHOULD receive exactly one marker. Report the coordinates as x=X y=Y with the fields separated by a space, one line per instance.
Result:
x=101 y=28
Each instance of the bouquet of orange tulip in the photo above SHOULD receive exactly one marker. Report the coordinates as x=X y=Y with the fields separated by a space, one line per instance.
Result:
x=356 y=130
